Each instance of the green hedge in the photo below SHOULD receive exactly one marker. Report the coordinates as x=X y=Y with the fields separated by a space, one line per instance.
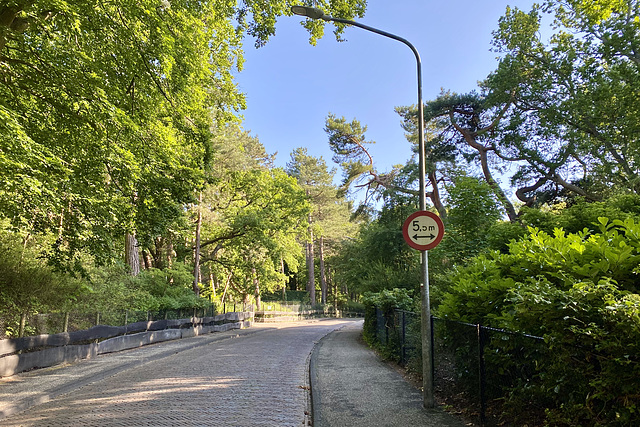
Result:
x=580 y=292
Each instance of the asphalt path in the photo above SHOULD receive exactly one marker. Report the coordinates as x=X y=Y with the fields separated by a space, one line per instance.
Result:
x=353 y=387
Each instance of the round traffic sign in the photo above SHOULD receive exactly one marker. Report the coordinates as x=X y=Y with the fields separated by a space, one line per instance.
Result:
x=423 y=230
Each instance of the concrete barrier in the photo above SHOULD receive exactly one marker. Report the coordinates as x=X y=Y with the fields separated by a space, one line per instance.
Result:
x=10 y=365
x=61 y=348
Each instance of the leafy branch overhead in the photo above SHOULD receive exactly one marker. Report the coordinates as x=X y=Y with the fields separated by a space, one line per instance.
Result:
x=348 y=143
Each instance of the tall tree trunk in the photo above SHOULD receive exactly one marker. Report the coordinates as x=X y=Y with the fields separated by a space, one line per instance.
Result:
x=212 y=284
x=323 y=277
x=470 y=138
x=335 y=295
x=169 y=252
x=311 y=284
x=196 y=255
x=434 y=195
x=146 y=259
x=23 y=325
x=131 y=253
x=156 y=252
x=284 y=285
x=256 y=284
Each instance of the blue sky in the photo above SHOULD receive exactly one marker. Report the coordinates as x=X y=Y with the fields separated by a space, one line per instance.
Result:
x=291 y=86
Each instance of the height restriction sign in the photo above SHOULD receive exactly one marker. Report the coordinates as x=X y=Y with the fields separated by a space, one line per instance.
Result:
x=423 y=230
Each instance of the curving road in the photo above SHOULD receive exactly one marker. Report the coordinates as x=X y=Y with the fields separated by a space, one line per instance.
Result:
x=252 y=377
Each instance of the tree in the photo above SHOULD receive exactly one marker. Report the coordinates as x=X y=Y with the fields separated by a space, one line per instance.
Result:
x=378 y=257
x=472 y=211
x=465 y=122
x=348 y=142
x=575 y=111
x=108 y=109
x=119 y=95
x=250 y=220
x=312 y=175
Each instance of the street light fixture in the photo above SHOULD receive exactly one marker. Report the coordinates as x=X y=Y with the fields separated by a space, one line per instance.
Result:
x=309 y=12
x=427 y=343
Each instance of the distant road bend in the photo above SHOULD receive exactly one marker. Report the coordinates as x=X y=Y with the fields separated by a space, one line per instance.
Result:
x=251 y=377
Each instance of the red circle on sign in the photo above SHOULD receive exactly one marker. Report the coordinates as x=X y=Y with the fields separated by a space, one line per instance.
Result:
x=413 y=232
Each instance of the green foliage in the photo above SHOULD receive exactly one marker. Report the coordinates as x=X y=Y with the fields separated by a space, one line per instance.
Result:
x=27 y=283
x=113 y=288
x=170 y=288
x=472 y=211
x=351 y=306
x=572 y=107
x=386 y=301
x=580 y=292
x=291 y=296
x=501 y=233
x=379 y=258
x=573 y=217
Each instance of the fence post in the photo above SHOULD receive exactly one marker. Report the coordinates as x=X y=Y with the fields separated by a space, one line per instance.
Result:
x=126 y=317
x=65 y=326
x=379 y=320
x=386 y=330
x=97 y=318
x=481 y=375
x=404 y=337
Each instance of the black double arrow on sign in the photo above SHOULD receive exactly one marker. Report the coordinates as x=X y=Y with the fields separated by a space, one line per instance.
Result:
x=431 y=237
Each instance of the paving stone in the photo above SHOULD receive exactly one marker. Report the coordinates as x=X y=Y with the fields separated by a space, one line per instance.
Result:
x=259 y=379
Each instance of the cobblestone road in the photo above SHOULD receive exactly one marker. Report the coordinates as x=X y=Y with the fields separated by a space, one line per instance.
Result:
x=257 y=379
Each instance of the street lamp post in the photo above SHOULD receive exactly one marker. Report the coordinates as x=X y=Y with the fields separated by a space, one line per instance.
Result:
x=427 y=346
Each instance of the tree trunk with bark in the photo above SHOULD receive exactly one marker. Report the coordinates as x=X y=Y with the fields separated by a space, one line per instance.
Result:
x=311 y=284
x=323 y=277
x=256 y=284
x=196 y=255
x=284 y=285
x=131 y=253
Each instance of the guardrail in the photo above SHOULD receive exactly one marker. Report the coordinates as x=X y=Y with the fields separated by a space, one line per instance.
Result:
x=41 y=351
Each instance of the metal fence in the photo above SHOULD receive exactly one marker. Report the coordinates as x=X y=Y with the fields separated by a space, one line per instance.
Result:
x=492 y=373
x=53 y=323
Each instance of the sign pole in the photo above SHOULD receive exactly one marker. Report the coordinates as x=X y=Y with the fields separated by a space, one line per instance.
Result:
x=314 y=13
x=425 y=329
x=423 y=230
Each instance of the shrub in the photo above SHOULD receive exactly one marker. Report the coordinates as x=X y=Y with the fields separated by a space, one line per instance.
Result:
x=387 y=301
x=579 y=291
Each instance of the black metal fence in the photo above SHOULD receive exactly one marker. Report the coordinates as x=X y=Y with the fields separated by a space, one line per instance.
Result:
x=492 y=373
